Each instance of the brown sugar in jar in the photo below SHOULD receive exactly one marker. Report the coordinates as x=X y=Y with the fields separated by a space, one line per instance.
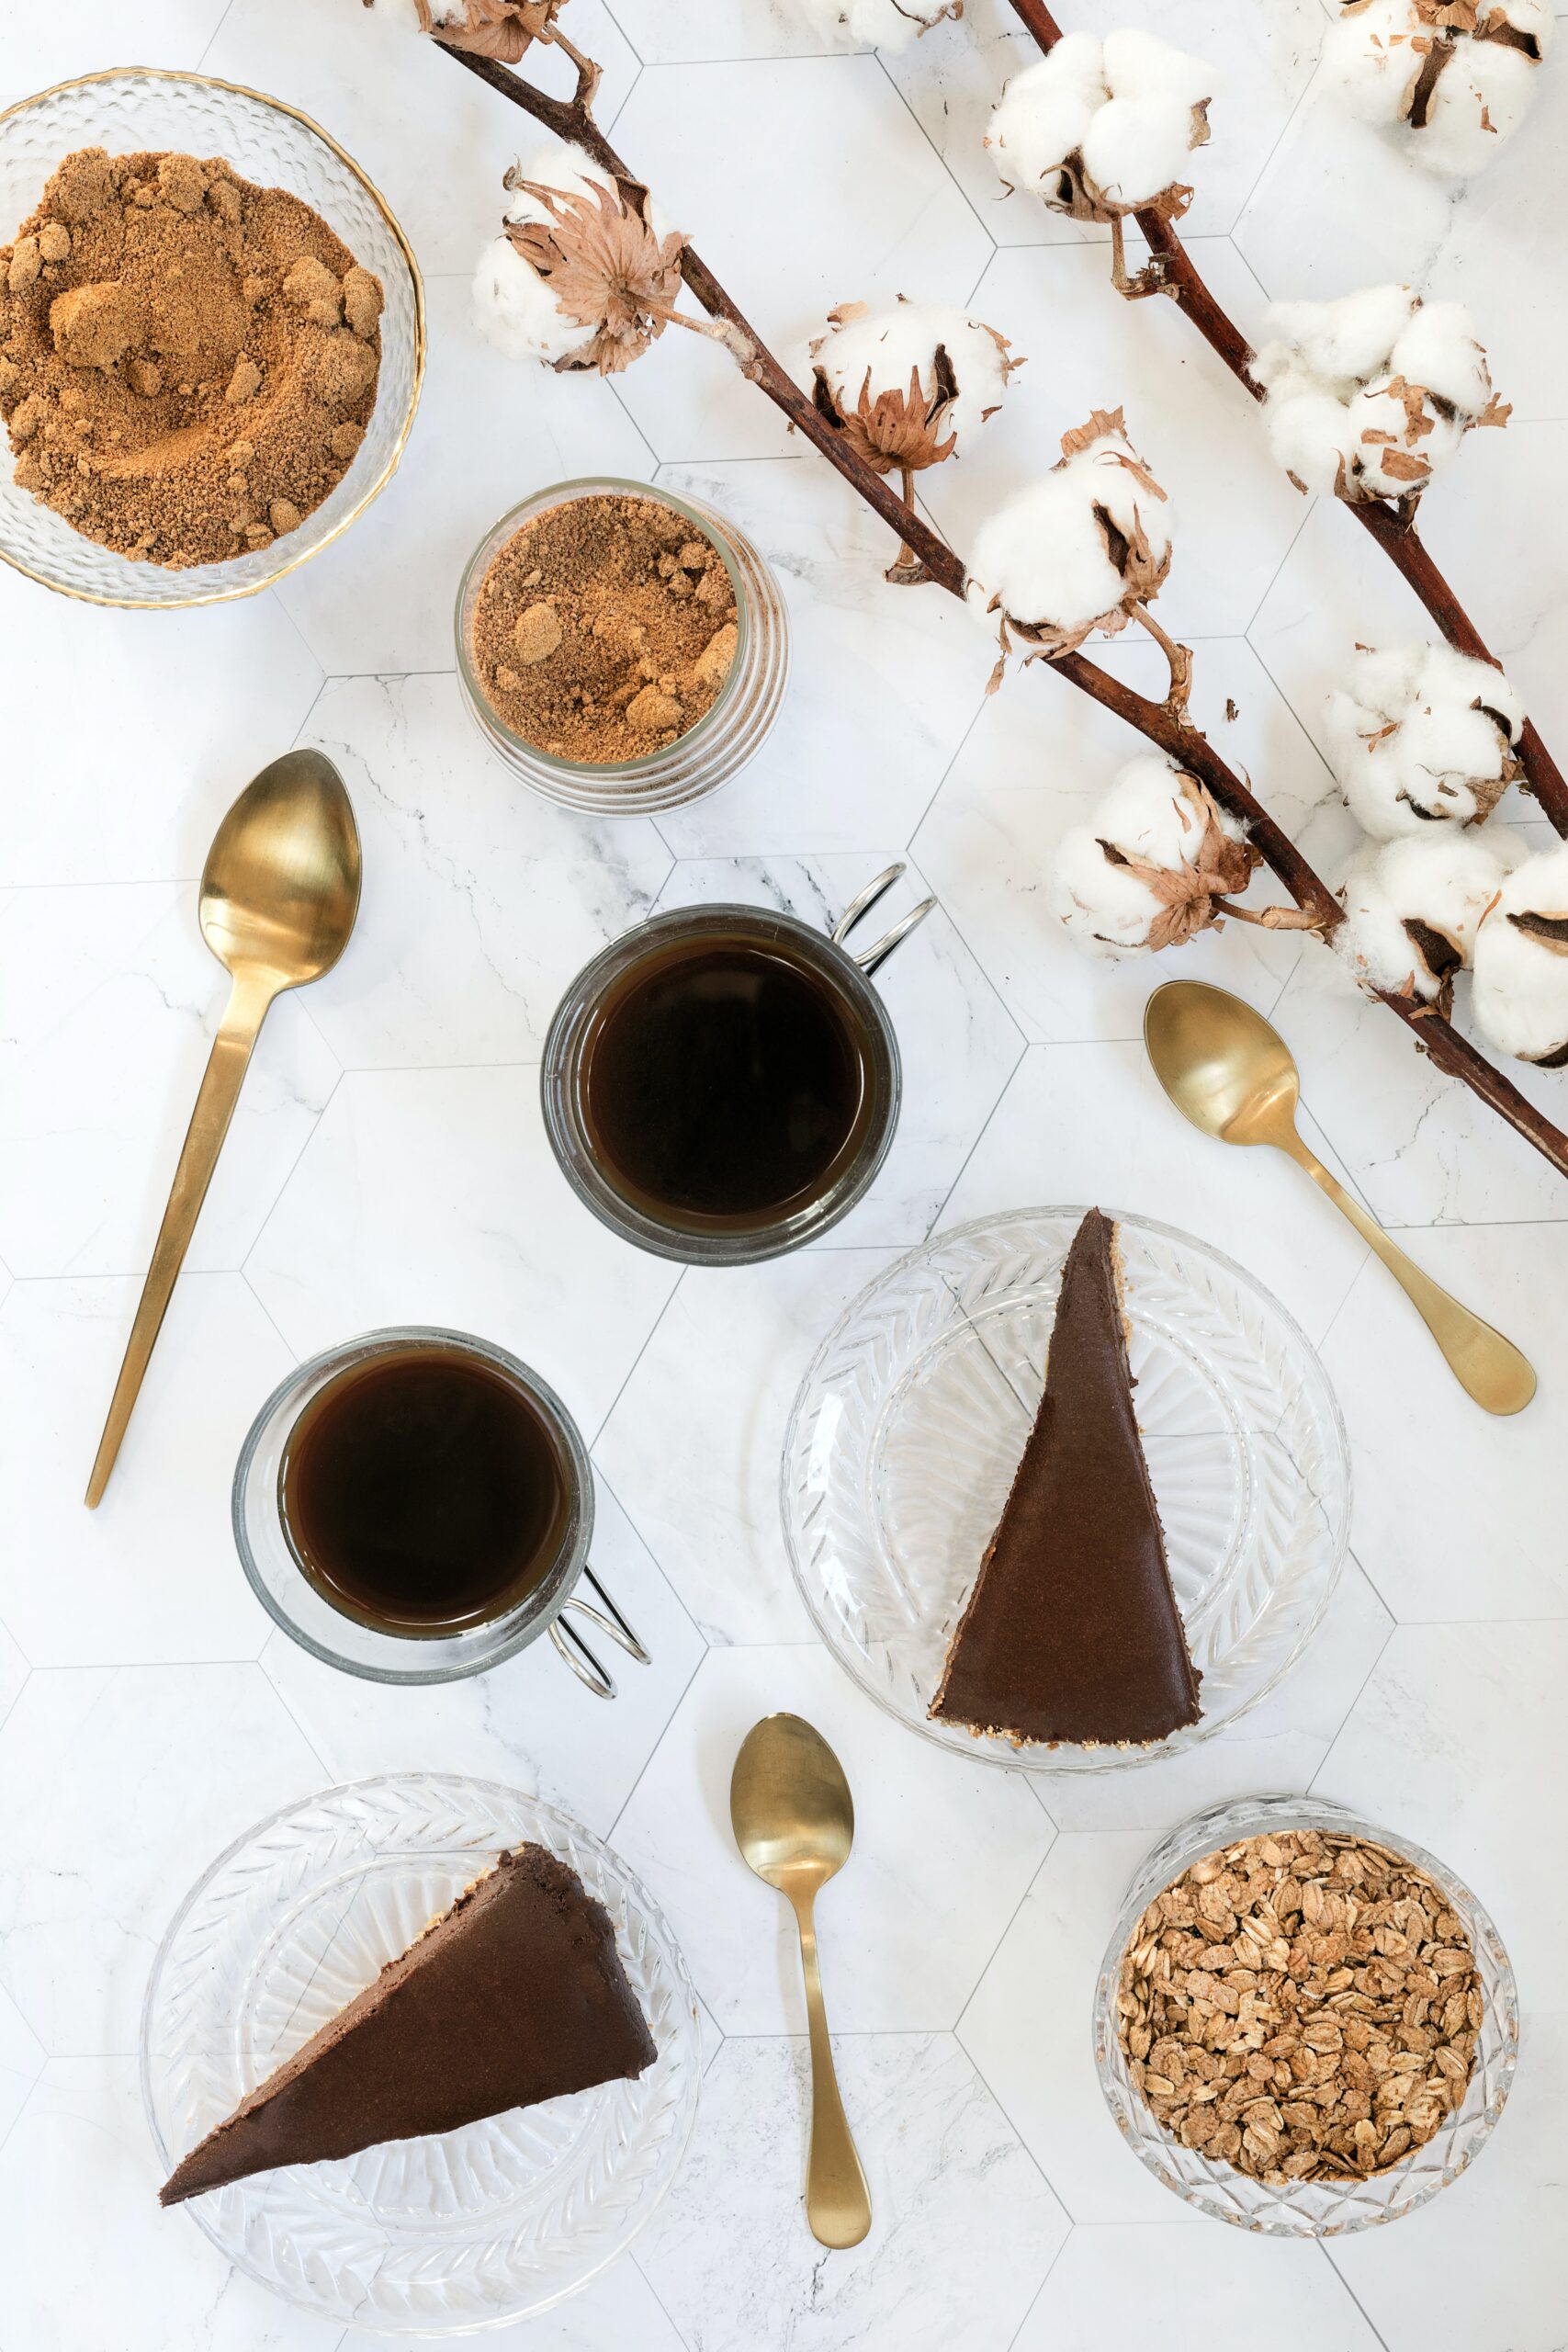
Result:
x=187 y=361
x=604 y=628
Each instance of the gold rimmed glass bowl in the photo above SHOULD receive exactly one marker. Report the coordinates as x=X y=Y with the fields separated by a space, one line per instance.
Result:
x=135 y=108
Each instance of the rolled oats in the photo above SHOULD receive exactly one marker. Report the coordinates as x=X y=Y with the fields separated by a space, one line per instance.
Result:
x=1304 y=2006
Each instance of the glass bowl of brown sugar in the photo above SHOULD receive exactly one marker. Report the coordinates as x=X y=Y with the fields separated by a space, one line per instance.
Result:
x=190 y=415
x=624 y=650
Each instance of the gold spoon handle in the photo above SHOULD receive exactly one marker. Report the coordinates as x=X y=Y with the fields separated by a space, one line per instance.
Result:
x=220 y=1090
x=838 y=2202
x=1487 y=1366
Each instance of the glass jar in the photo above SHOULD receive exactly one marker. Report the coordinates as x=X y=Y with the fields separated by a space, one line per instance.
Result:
x=726 y=735
x=1306 y=2208
x=564 y=1067
x=292 y=1601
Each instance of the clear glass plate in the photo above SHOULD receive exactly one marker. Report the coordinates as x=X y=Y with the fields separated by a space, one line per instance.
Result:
x=1306 y=2208
x=437 y=2235
x=912 y=1420
x=136 y=107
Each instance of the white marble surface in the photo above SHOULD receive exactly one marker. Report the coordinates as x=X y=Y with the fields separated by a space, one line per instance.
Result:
x=388 y=1163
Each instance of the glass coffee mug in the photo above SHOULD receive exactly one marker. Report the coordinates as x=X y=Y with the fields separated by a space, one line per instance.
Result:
x=416 y=1505
x=722 y=1084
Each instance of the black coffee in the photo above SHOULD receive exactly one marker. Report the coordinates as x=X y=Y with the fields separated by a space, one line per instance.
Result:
x=423 y=1492
x=725 y=1082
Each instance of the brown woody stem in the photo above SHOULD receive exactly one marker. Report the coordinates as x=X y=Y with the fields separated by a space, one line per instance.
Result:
x=1156 y=721
x=1174 y=273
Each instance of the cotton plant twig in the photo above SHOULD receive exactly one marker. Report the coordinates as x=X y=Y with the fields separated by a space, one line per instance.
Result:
x=1161 y=723
x=1172 y=271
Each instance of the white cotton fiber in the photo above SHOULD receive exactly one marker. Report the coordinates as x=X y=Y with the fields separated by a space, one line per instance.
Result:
x=1521 y=997
x=1106 y=910
x=1144 y=813
x=1420 y=739
x=1376 y=60
x=1437 y=349
x=1101 y=130
x=1412 y=908
x=884 y=345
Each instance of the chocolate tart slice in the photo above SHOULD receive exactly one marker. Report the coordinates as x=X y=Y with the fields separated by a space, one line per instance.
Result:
x=514 y=1994
x=1072 y=1632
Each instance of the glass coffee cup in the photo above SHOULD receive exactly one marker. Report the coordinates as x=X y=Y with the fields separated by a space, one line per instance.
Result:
x=416 y=1506
x=722 y=1084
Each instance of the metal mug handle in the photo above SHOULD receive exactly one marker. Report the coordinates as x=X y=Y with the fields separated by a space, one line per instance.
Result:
x=570 y=1645
x=869 y=958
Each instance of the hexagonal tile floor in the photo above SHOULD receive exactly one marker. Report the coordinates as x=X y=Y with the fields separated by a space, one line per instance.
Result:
x=389 y=1164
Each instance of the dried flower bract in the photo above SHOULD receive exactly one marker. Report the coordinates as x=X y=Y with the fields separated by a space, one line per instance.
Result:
x=499 y=28
x=1451 y=78
x=583 y=275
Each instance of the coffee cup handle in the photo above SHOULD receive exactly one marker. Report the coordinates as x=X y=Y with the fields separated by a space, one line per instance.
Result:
x=868 y=958
x=570 y=1645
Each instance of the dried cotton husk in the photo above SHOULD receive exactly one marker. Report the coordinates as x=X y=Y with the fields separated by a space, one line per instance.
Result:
x=582 y=275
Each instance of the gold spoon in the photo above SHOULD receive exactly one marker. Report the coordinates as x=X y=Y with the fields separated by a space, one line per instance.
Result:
x=1229 y=1072
x=279 y=893
x=793 y=1820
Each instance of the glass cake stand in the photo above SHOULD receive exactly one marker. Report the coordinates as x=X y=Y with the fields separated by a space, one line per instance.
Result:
x=912 y=1420
x=447 y=2234
x=1307 y=2209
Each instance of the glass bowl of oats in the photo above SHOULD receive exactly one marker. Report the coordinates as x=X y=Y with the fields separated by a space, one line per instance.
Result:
x=1302 y=2025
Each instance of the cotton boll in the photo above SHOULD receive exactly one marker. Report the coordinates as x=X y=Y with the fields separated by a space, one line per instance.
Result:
x=1412 y=908
x=1106 y=910
x=515 y=309
x=1380 y=58
x=1096 y=146
x=1521 y=997
x=1138 y=65
x=1309 y=432
x=1438 y=350
x=1419 y=738
x=1135 y=147
x=1347 y=340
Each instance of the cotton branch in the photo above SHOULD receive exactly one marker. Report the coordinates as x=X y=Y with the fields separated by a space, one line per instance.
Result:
x=1159 y=723
x=1172 y=271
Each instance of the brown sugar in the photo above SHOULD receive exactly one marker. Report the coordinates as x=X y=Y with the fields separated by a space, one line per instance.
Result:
x=604 y=628
x=187 y=362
